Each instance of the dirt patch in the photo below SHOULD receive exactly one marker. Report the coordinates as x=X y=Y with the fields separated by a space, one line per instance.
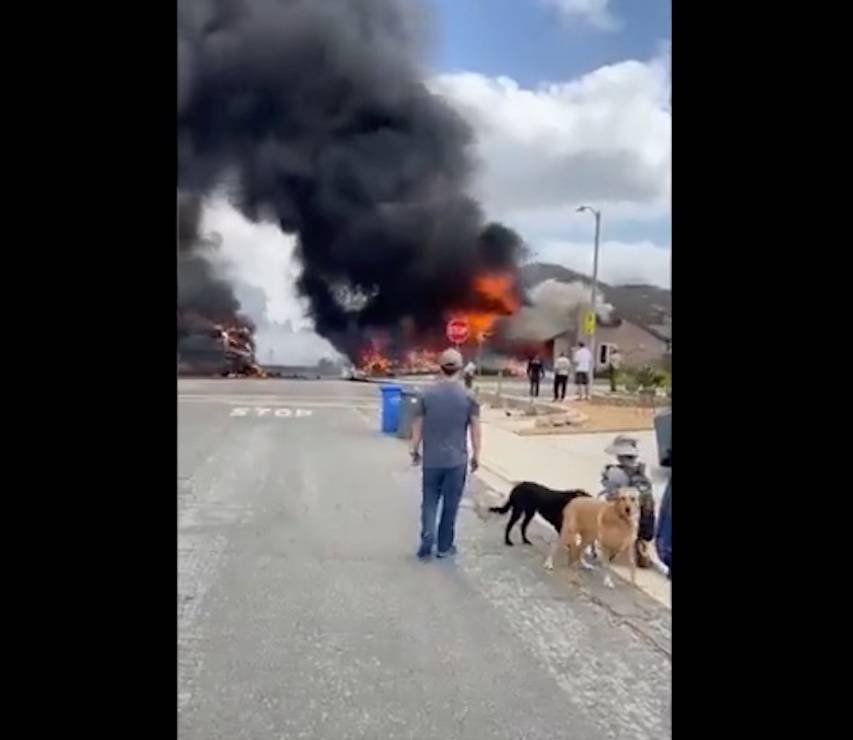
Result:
x=605 y=413
x=603 y=419
x=582 y=418
x=635 y=400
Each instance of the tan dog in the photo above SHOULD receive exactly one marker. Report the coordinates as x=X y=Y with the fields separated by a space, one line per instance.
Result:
x=610 y=525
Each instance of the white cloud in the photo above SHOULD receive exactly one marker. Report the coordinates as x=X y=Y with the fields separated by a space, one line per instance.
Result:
x=618 y=262
x=604 y=138
x=595 y=13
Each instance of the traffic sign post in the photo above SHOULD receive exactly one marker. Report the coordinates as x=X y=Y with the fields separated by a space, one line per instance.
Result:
x=481 y=338
x=589 y=323
x=457 y=331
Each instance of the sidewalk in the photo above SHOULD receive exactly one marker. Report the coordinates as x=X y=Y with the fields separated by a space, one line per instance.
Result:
x=570 y=461
x=513 y=386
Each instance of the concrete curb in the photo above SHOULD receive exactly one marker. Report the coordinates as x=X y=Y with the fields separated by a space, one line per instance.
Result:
x=518 y=402
x=499 y=472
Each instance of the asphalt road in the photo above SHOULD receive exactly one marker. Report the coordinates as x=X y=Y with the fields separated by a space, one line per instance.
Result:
x=303 y=612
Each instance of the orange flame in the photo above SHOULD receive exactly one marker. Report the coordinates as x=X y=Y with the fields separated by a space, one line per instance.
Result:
x=421 y=361
x=494 y=294
x=499 y=291
x=374 y=362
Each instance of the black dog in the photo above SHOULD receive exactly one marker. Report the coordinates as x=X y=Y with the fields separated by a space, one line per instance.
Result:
x=529 y=498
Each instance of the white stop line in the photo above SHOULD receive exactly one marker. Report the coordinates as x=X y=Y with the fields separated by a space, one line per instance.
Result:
x=281 y=413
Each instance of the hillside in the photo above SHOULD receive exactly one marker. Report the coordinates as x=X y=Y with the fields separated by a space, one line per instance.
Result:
x=645 y=305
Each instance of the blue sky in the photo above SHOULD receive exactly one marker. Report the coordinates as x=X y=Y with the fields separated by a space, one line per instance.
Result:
x=534 y=43
x=530 y=42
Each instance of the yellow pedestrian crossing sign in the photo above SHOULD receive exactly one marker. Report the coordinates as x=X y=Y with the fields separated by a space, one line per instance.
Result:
x=589 y=322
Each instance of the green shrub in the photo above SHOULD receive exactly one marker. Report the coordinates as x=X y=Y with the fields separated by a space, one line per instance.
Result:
x=648 y=378
x=645 y=378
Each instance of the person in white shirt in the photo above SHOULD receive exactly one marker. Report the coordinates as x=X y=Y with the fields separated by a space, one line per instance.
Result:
x=583 y=370
x=469 y=372
x=562 y=368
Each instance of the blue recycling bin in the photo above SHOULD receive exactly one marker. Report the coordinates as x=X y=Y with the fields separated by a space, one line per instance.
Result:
x=391 y=395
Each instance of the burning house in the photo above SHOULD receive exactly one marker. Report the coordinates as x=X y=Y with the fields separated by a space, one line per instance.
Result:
x=410 y=350
x=507 y=327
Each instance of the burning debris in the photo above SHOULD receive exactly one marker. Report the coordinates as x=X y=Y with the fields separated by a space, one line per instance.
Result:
x=373 y=362
x=213 y=338
x=413 y=350
x=414 y=362
x=206 y=347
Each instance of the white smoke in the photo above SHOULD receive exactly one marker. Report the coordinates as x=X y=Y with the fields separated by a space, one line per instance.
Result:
x=258 y=259
x=554 y=310
x=559 y=298
x=278 y=344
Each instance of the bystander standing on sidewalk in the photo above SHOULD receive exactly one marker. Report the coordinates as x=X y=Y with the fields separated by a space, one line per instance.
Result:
x=613 y=369
x=446 y=411
x=562 y=369
x=535 y=372
x=470 y=372
x=582 y=361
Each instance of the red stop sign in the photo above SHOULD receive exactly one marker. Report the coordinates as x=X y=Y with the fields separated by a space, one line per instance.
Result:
x=457 y=331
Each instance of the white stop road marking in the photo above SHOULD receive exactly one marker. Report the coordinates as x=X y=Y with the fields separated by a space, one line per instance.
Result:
x=281 y=413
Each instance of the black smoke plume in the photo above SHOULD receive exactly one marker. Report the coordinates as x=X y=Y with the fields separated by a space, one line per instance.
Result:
x=201 y=294
x=315 y=113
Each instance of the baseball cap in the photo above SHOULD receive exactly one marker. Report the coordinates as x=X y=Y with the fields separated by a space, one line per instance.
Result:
x=450 y=358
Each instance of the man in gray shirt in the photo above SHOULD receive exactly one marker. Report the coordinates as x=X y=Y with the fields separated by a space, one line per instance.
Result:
x=445 y=412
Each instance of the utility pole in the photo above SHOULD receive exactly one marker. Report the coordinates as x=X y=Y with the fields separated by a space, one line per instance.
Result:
x=594 y=290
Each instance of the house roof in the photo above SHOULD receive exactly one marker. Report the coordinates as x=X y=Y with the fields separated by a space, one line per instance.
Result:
x=536 y=325
x=661 y=331
x=540 y=325
x=646 y=306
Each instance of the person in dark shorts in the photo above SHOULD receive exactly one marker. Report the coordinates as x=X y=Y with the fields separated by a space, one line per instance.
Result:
x=582 y=361
x=535 y=371
x=446 y=411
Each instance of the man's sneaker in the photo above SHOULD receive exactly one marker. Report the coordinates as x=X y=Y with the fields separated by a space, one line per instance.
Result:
x=424 y=553
x=447 y=553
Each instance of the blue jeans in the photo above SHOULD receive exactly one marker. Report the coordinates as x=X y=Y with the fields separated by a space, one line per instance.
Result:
x=446 y=485
x=663 y=540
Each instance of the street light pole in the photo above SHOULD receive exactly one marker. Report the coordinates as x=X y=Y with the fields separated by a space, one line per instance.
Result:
x=594 y=290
